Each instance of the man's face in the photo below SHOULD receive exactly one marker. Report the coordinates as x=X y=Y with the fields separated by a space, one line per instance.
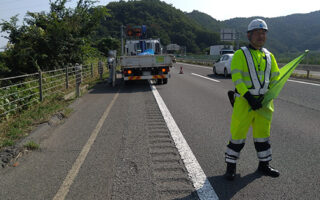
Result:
x=257 y=38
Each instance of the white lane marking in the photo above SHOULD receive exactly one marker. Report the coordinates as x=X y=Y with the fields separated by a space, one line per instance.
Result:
x=211 y=79
x=304 y=82
x=198 y=177
x=196 y=66
x=219 y=81
x=64 y=188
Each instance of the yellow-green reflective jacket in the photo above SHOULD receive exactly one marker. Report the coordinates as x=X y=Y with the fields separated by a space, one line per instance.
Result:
x=254 y=70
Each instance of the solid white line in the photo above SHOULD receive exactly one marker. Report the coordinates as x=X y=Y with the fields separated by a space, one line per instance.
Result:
x=64 y=188
x=304 y=82
x=198 y=177
x=211 y=79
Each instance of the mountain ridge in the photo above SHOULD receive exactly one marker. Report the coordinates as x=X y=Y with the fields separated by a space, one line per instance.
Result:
x=198 y=31
x=291 y=33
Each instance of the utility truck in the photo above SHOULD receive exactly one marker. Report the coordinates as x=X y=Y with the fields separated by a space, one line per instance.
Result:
x=142 y=58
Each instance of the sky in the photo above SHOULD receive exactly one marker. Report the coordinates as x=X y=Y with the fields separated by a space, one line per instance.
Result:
x=220 y=10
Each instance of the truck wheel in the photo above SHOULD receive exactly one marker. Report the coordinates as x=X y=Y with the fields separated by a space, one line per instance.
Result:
x=165 y=81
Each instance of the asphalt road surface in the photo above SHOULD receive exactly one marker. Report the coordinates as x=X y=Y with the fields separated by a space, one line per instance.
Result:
x=119 y=144
x=202 y=111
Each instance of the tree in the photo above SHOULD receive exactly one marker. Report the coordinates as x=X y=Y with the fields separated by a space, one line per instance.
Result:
x=50 y=40
x=106 y=44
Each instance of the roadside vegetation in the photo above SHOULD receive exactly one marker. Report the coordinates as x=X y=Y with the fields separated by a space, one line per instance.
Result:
x=49 y=41
x=19 y=126
x=45 y=42
x=313 y=57
x=31 y=145
x=163 y=21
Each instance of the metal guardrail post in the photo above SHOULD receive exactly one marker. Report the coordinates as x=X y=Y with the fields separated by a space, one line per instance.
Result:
x=308 y=71
x=100 y=69
x=40 y=86
x=67 y=77
x=91 y=70
x=78 y=79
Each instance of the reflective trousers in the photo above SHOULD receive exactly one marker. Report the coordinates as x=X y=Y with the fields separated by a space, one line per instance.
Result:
x=242 y=119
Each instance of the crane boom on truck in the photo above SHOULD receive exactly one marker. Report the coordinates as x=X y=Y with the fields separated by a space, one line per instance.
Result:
x=143 y=58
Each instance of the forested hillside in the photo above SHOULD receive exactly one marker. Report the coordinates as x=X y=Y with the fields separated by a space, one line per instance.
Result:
x=198 y=31
x=290 y=33
x=205 y=20
x=162 y=20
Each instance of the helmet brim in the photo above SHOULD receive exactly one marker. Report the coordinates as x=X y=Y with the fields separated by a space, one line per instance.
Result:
x=257 y=29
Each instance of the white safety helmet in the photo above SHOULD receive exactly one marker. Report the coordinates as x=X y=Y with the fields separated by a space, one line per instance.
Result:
x=257 y=24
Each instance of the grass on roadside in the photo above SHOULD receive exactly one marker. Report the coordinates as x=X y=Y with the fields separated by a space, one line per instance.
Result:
x=296 y=75
x=31 y=145
x=105 y=76
x=21 y=124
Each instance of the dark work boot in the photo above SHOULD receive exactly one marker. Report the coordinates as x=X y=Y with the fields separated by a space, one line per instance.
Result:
x=231 y=171
x=266 y=170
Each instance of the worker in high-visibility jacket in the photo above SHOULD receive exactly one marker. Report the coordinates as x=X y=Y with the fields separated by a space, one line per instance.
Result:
x=254 y=70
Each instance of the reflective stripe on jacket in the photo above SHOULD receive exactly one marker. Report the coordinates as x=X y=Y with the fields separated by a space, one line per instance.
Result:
x=259 y=87
x=247 y=76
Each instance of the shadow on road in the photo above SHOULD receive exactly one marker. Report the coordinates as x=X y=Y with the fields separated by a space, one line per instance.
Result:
x=104 y=87
x=225 y=189
x=218 y=76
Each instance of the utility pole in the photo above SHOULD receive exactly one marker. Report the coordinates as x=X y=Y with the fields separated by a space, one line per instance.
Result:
x=122 y=47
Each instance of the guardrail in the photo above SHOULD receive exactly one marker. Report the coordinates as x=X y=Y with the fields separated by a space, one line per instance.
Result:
x=305 y=67
x=197 y=61
x=20 y=92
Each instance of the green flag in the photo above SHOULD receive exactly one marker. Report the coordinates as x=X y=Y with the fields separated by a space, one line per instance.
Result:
x=285 y=73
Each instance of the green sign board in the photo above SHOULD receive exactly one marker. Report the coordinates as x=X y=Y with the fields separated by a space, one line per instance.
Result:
x=160 y=59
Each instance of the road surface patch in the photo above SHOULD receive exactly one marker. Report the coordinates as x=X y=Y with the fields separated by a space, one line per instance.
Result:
x=72 y=174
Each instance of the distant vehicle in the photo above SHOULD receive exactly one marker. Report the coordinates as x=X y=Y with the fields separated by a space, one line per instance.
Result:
x=226 y=51
x=223 y=65
x=217 y=50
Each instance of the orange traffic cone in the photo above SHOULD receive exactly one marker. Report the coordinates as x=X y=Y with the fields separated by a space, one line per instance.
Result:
x=181 y=71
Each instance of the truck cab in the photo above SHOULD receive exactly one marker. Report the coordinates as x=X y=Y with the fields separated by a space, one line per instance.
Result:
x=135 y=47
